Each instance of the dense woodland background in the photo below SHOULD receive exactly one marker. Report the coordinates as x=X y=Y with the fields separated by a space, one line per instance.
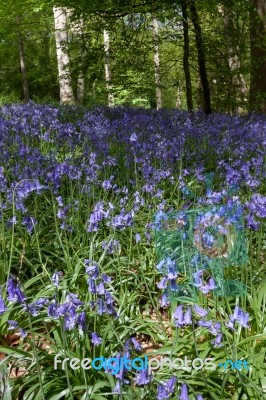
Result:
x=186 y=54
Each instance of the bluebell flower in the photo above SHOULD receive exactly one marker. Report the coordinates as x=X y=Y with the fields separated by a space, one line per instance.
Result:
x=95 y=339
x=2 y=305
x=164 y=302
x=240 y=316
x=136 y=344
x=206 y=324
x=55 y=278
x=137 y=237
x=142 y=378
x=14 y=292
x=13 y=325
x=133 y=137
x=73 y=299
x=70 y=318
x=184 y=392
x=215 y=328
x=36 y=306
x=198 y=278
x=163 y=283
x=52 y=310
x=217 y=342
x=81 y=321
x=200 y=311
x=187 y=317
x=178 y=316
x=166 y=389
x=117 y=389
x=100 y=288
x=199 y=397
x=30 y=223
x=92 y=286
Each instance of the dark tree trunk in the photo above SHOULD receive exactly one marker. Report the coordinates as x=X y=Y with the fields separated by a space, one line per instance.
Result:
x=186 y=56
x=258 y=55
x=201 y=58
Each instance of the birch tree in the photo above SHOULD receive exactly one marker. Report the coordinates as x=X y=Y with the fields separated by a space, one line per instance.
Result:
x=186 y=56
x=107 y=68
x=66 y=91
x=22 y=58
x=155 y=30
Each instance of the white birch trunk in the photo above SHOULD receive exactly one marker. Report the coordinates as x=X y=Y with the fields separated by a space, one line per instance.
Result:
x=155 y=30
x=107 y=68
x=66 y=91
x=22 y=58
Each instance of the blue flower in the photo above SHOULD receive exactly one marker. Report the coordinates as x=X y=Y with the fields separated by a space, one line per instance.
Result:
x=55 y=278
x=2 y=305
x=136 y=344
x=166 y=389
x=200 y=311
x=142 y=378
x=184 y=392
x=95 y=339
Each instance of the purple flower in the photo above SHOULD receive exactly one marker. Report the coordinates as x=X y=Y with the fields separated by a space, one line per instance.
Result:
x=136 y=344
x=142 y=378
x=35 y=307
x=198 y=278
x=137 y=237
x=164 y=301
x=240 y=316
x=199 y=397
x=163 y=283
x=166 y=389
x=81 y=321
x=92 y=286
x=55 y=278
x=100 y=288
x=187 y=317
x=133 y=137
x=70 y=319
x=178 y=316
x=51 y=310
x=117 y=388
x=30 y=223
x=200 y=311
x=74 y=300
x=14 y=292
x=184 y=392
x=215 y=328
x=217 y=342
x=95 y=339
x=13 y=324
x=206 y=324
x=2 y=305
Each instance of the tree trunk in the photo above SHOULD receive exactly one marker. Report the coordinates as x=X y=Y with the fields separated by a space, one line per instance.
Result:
x=107 y=68
x=22 y=58
x=258 y=55
x=155 y=30
x=186 y=56
x=238 y=87
x=178 y=103
x=66 y=91
x=201 y=58
x=77 y=28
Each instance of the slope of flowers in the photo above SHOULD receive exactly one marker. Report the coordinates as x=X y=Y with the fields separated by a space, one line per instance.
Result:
x=78 y=194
